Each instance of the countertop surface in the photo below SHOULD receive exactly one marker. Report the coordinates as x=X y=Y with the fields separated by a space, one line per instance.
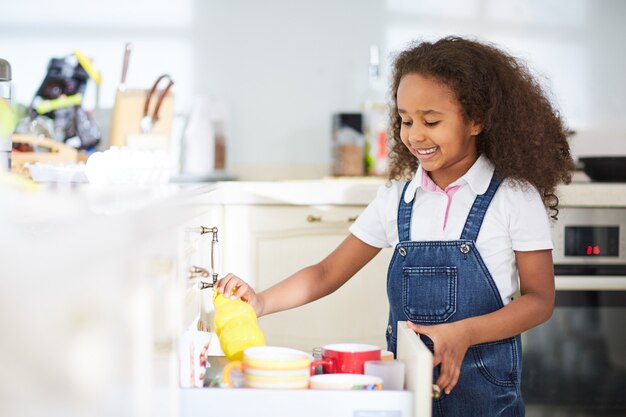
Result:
x=360 y=191
x=592 y=194
x=56 y=203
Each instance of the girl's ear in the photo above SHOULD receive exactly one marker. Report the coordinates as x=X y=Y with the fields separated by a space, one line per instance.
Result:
x=475 y=128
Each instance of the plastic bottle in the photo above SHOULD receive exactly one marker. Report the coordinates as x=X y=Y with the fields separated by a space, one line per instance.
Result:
x=236 y=326
x=376 y=118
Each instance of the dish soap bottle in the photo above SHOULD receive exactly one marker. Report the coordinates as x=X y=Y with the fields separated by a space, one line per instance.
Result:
x=236 y=326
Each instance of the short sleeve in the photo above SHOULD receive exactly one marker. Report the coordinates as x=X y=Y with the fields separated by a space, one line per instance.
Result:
x=376 y=224
x=529 y=225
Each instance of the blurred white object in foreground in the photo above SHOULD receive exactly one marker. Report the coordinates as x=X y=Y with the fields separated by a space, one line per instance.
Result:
x=88 y=307
x=57 y=173
x=128 y=166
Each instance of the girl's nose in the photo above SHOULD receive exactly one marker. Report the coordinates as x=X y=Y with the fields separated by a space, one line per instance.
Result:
x=416 y=136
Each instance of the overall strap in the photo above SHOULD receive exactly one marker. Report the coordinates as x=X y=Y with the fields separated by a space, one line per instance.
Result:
x=478 y=210
x=404 y=217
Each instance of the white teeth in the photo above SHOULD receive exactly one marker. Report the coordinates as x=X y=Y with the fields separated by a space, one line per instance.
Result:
x=426 y=151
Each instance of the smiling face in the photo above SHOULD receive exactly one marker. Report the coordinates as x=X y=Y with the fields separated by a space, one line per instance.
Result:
x=434 y=129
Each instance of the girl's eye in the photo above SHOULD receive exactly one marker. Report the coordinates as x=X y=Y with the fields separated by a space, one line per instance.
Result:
x=406 y=123
x=431 y=124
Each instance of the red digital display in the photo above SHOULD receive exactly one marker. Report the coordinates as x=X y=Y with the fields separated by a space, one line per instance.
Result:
x=593 y=250
x=592 y=241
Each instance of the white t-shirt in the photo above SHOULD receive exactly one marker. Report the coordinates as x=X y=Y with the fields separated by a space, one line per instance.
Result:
x=516 y=220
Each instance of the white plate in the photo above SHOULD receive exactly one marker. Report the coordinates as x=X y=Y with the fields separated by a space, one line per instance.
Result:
x=346 y=381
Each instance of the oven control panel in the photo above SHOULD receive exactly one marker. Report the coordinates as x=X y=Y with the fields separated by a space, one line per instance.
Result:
x=590 y=236
x=591 y=241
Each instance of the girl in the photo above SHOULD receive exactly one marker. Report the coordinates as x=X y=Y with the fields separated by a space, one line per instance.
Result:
x=484 y=151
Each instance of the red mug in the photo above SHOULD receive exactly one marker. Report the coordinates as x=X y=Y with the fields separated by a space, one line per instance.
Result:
x=347 y=358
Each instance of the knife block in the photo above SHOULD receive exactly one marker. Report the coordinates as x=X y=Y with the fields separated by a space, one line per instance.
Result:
x=128 y=112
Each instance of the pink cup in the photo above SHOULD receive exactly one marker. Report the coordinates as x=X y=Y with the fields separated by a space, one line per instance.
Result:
x=347 y=358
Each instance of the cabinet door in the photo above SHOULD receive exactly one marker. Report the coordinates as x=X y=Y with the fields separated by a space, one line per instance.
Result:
x=276 y=241
x=418 y=361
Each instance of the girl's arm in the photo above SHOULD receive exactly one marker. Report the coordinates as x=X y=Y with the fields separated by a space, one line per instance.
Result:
x=308 y=284
x=533 y=307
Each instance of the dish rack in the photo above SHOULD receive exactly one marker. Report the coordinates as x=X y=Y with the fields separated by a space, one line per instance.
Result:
x=55 y=152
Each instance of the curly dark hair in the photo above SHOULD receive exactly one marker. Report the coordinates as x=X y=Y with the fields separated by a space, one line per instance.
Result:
x=522 y=134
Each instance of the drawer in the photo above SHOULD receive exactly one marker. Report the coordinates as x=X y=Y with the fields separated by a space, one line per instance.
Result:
x=414 y=401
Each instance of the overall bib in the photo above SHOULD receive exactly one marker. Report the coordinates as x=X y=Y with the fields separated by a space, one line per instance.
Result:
x=432 y=282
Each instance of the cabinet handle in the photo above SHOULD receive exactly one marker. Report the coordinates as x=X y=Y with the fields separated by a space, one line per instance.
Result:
x=203 y=230
x=197 y=272
x=315 y=219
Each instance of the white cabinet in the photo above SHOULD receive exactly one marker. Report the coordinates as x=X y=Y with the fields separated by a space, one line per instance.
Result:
x=95 y=297
x=264 y=244
x=195 y=252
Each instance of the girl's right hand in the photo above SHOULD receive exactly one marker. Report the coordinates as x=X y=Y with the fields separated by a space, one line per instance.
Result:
x=238 y=288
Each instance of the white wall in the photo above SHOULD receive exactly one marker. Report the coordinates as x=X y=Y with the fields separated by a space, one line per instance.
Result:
x=283 y=67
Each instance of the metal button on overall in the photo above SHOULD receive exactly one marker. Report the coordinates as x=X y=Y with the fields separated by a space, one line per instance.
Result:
x=402 y=251
x=464 y=248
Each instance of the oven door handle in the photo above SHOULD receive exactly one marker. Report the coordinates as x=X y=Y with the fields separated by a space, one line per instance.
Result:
x=590 y=282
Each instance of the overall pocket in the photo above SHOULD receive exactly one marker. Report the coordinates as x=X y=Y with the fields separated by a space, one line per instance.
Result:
x=497 y=361
x=429 y=293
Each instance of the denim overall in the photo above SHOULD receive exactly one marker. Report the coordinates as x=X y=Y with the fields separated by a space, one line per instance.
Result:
x=432 y=282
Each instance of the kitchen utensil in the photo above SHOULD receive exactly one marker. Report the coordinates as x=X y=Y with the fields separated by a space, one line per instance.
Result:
x=605 y=168
x=346 y=381
x=386 y=355
x=91 y=70
x=391 y=372
x=348 y=358
x=193 y=358
x=57 y=173
x=128 y=166
x=56 y=153
x=127 y=50
x=273 y=367
x=148 y=121
x=236 y=325
x=130 y=109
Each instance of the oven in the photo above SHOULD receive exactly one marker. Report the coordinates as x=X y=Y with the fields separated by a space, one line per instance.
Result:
x=575 y=363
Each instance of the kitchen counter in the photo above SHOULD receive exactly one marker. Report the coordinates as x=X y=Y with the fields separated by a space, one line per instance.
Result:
x=361 y=191
x=90 y=297
x=328 y=191
x=592 y=194
x=83 y=266
x=85 y=200
x=74 y=202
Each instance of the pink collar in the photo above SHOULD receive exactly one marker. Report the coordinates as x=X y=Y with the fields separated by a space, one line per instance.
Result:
x=429 y=185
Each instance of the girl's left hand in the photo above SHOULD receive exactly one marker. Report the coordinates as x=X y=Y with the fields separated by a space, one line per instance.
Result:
x=451 y=341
